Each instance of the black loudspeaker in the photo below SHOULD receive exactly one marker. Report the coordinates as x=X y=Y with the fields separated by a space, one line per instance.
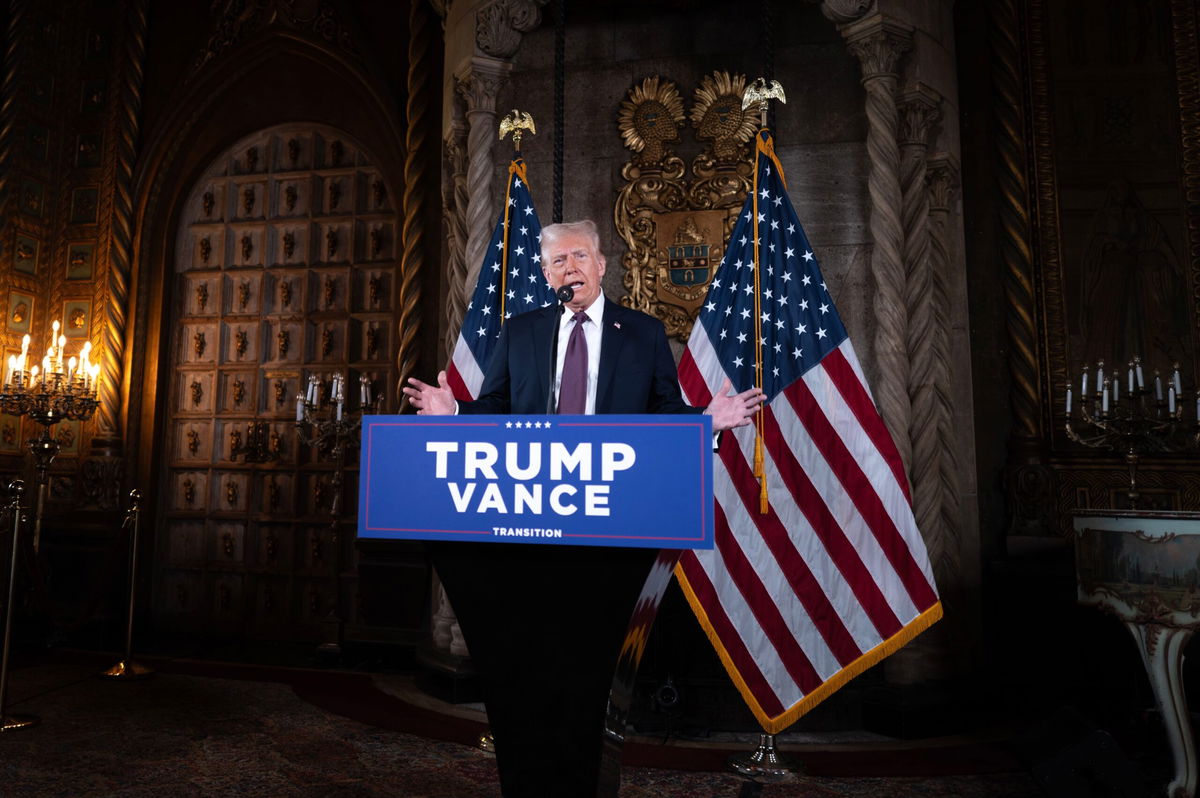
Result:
x=1070 y=758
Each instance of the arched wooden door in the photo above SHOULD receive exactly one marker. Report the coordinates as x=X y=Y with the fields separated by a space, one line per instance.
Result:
x=285 y=266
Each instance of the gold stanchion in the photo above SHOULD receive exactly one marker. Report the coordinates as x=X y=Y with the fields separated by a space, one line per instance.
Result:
x=12 y=722
x=127 y=668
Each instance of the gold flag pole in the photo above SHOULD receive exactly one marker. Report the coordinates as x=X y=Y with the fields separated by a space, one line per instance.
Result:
x=513 y=122
x=759 y=92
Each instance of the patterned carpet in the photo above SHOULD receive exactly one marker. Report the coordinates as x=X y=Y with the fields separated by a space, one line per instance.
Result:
x=180 y=735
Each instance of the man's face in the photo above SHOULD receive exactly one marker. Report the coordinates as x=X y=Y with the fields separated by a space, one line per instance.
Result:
x=571 y=260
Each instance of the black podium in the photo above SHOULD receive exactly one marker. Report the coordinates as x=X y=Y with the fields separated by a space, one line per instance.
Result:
x=556 y=634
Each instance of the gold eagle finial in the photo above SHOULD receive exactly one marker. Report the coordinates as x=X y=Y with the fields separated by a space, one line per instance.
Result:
x=516 y=122
x=760 y=91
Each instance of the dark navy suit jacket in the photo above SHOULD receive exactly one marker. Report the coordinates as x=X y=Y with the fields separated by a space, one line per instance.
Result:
x=637 y=372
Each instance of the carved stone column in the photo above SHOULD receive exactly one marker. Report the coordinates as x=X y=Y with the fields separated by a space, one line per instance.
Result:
x=879 y=44
x=927 y=350
x=942 y=179
x=479 y=87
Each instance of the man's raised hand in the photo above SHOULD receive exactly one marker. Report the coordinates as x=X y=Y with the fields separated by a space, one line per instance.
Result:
x=431 y=400
x=733 y=410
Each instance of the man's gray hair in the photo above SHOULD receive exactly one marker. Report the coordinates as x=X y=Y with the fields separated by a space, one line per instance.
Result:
x=586 y=227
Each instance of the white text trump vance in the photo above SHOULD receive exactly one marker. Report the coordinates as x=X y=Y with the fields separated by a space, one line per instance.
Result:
x=528 y=463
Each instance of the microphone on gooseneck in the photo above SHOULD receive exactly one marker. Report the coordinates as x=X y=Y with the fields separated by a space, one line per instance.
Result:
x=565 y=294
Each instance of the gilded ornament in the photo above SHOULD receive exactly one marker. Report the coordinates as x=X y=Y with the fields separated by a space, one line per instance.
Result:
x=247 y=247
x=197 y=393
x=202 y=295
x=289 y=244
x=335 y=194
x=193 y=443
x=650 y=119
x=285 y=293
x=331 y=242
x=283 y=340
x=326 y=341
x=275 y=444
x=77 y=319
x=242 y=342
x=239 y=386
x=675 y=228
x=231 y=493
x=235 y=442
x=330 y=291
x=227 y=543
x=320 y=489
x=289 y=197
x=378 y=192
x=208 y=203
x=375 y=288
x=280 y=392
x=198 y=343
x=376 y=241
x=189 y=492
x=205 y=250
x=244 y=293
x=516 y=122
x=372 y=342
x=20 y=312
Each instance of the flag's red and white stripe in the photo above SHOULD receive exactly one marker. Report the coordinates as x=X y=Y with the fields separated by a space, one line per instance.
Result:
x=834 y=576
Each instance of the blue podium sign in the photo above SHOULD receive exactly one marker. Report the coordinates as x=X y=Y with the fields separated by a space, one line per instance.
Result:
x=642 y=481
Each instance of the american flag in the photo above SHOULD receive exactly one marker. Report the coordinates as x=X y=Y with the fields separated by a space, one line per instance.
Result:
x=510 y=282
x=834 y=575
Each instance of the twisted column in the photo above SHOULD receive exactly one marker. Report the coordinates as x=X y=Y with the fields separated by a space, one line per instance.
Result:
x=479 y=88
x=919 y=113
x=127 y=110
x=1014 y=239
x=879 y=46
x=942 y=180
x=416 y=164
x=8 y=100
x=454 y=212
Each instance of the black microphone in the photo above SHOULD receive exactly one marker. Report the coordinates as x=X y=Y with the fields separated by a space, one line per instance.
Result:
x=565 y=294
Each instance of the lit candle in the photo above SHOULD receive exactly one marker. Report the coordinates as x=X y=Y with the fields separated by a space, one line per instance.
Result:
x=1177 y=380
x=1100 y=383
x=12 y=367
x=1068 y=399
x=1131 y=377
x=299 y=408
x=1137 y=364
x=1104 y=400
x=339 y=409
x=1157 y=387
x=1083 y=392
x=33 y=373
x=363 y=391
x=62 y=342
x=71 y=369
x=1116 y=385
x=45 y=366
x=1171 y=400
x=95 y=381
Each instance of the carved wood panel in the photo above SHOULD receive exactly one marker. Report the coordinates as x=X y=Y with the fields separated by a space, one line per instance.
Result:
x=284 y=267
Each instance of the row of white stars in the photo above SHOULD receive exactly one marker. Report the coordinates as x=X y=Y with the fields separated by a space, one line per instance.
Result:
x=527 y=424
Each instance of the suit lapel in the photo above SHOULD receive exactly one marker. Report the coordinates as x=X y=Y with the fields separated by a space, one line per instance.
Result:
x=611 y=340
x=543 y=331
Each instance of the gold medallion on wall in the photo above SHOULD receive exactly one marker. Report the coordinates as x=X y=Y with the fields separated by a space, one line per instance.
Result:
x=675 y=224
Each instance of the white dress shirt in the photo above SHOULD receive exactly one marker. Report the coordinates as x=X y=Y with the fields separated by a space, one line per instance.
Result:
x=592 y=332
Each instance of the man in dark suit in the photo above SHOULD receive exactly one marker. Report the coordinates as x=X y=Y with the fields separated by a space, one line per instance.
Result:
x=544 y=624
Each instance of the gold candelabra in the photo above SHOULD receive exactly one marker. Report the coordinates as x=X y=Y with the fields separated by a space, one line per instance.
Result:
x=325 y=421
x=1125 y=412
x=56 y=391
